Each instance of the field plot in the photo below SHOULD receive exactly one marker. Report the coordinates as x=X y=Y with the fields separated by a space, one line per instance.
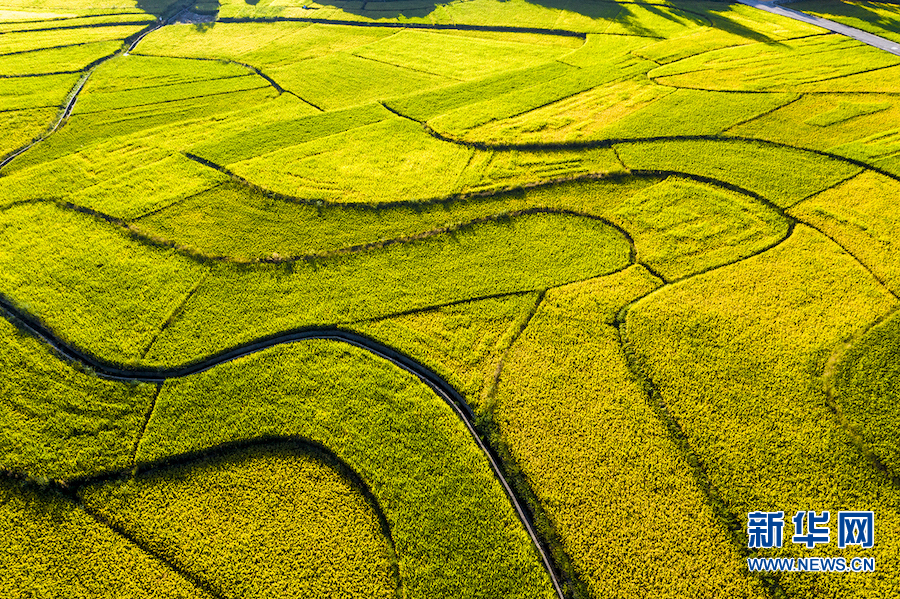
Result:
x=125 y=286
x=76 y=424
x=330 y=540
x=52 y=548
x=813 y=59
x=736 y=353
x=589 y=460
x=866 y=390
x=479 y=299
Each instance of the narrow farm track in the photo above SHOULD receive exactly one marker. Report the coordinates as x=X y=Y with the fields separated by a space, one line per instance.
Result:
x=434 y=381
x=431 y=379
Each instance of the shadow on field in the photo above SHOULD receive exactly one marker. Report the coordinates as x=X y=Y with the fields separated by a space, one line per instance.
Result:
x=594 y=9
x=632 y=15
x=168 y=8
x=637 y=17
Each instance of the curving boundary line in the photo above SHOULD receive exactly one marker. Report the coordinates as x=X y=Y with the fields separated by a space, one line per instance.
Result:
x=431 y=379
x=290 y=444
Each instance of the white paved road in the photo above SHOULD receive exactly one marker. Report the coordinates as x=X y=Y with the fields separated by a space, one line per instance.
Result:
x=857 y=34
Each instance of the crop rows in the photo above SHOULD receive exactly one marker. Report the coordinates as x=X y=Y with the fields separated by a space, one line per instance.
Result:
x=411 y=450
x=593 y=450
x=54 y=549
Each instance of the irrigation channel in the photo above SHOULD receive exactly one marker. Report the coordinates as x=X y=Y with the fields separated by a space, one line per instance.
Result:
x=435 y=382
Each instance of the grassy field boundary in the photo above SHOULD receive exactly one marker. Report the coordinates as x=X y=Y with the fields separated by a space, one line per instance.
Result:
x=732 y=523
x=830 y=374
x=199 y=583
x=71 y=491
x=375 y=206
x=612 y=142
x=127 y=229
x=292 y=443
x=488 y=427
x=147 y=416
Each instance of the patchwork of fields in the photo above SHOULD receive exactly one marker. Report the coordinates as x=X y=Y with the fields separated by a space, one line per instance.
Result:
x=479 y=299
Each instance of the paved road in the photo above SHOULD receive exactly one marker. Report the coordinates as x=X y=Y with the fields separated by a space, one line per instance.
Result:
x=857 y=34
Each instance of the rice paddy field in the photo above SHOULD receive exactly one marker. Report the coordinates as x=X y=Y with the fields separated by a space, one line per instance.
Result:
x=418 y=300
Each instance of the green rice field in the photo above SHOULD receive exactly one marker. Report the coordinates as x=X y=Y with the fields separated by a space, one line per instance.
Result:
x=479 y=299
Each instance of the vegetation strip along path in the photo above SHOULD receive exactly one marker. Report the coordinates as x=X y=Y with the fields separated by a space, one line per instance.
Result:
x=852 y=32
x=437 y=384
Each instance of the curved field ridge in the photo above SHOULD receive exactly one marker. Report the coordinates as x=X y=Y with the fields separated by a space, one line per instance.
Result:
x=307 y=519
x=56 y=543
x=57 y=422
x=867 y=390
x=652 y=245
x=155 y=306
x=406 y=443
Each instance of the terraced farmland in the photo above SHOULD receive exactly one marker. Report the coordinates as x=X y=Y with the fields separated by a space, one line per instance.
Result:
x=480 y=299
